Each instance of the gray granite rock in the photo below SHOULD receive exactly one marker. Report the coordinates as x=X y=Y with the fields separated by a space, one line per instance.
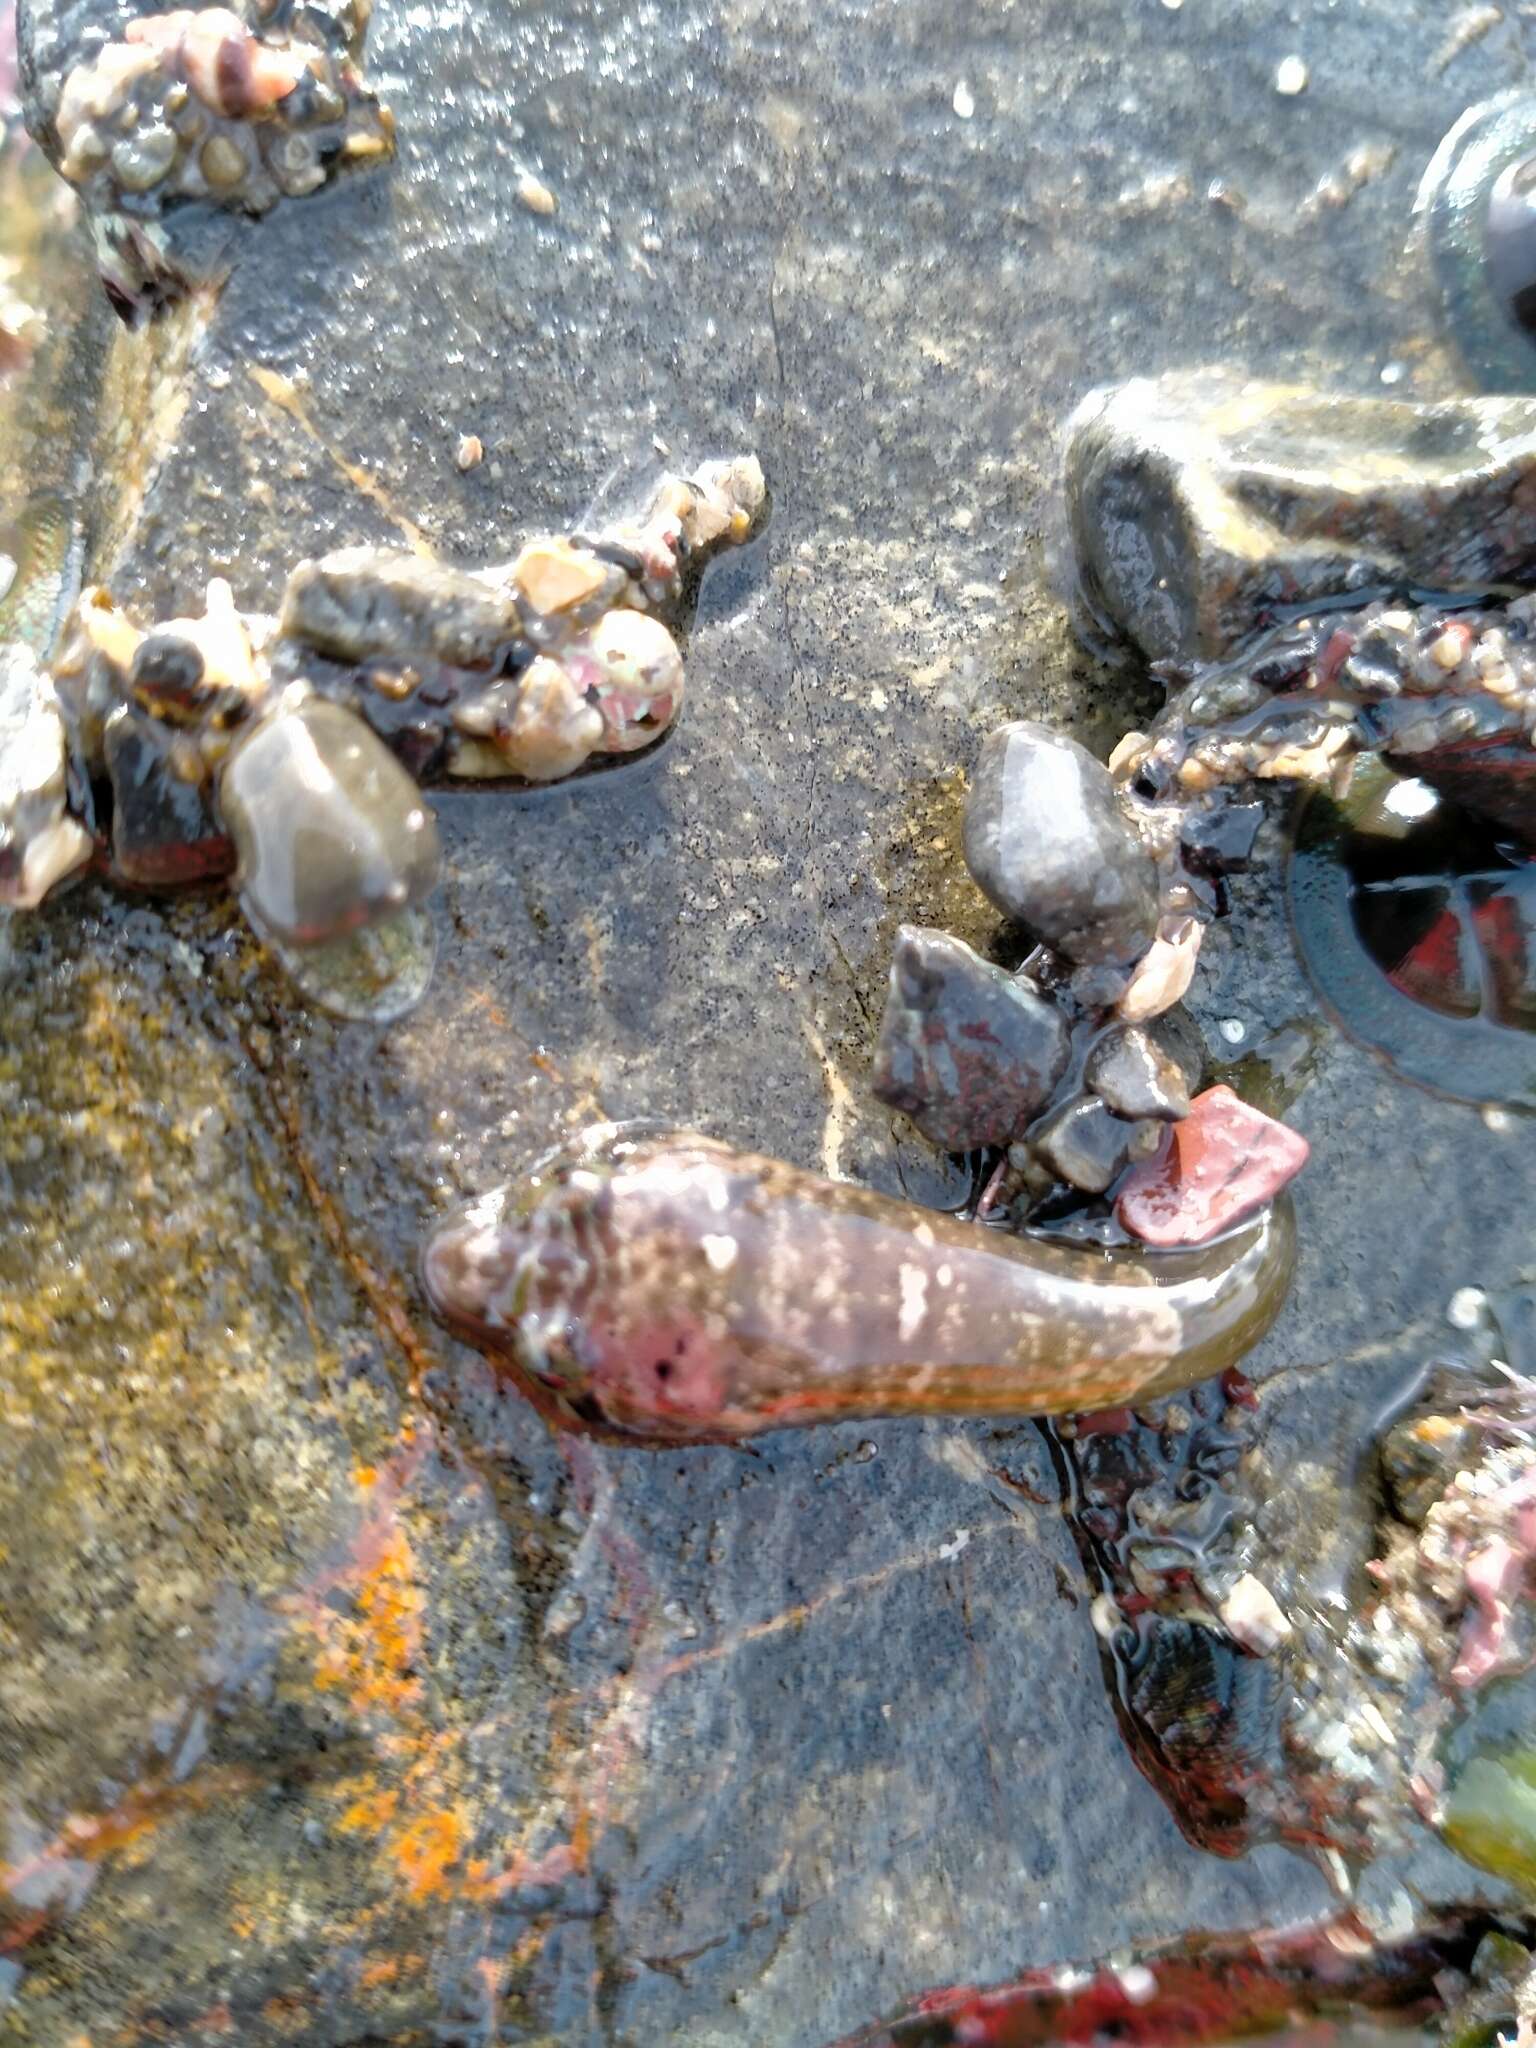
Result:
x=968 y=1053
x=1201 y=499
x=1047 y=843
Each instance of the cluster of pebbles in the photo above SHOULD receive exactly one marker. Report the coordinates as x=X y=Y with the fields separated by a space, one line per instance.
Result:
x=289 y=753
x=1075 y=1067
x=202 y=105
x=1074 y=1071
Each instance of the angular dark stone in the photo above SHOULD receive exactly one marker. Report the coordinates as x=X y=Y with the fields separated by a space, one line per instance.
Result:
x=1088 y=1146
x=1046 y=841
x=1219 y=841
x=968 y=1053
x=1133 y=1074
x=358 y=604
x=331 y=832
x=163 y=827
x=1201 y=499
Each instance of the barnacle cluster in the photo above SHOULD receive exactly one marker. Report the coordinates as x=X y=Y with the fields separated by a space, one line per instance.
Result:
x=1447 y=691
x=205 y=105
x=530 y=669
x=289 y=752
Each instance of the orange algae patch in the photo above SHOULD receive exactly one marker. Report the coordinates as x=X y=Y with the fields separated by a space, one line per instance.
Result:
x=428 y=1849
x=373 y=1655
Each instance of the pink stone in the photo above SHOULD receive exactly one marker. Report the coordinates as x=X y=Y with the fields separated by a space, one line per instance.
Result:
x=1493 y=1572
x=1220 y=1165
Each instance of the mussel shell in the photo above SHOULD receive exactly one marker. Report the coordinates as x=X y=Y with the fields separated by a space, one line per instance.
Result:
x=1475 y=205
x=1202 y=1719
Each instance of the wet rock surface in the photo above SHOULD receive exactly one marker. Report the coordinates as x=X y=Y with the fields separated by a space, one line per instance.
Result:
x=380 y=1712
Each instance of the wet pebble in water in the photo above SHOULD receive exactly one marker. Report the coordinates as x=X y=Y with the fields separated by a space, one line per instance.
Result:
x=1136 y=1077
x=1047 y=843
x=1086 y=1145
x=1218 y=839
x=163 y=828
x=330 y=831
x=968 y=1053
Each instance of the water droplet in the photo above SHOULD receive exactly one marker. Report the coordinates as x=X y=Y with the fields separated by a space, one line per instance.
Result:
x=372 y=976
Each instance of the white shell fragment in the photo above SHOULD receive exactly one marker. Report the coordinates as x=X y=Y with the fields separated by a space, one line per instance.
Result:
x=1164 y=972
x=1253 y=1617
x=39 y=842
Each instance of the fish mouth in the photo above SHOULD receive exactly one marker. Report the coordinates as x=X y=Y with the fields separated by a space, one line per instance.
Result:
x=513 y=1281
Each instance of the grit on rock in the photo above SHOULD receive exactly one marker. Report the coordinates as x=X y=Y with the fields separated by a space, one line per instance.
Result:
x=339 y=1695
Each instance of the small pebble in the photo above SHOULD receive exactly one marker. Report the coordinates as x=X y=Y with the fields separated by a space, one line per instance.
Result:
x=964 y=102
x=470 y=451
x=1233 y=1030
x=1219 y=1166
x=1047 y=842
x=1136 y=1077
x=536 y=196
x=1086 y=1145
x=966 y=1051
x=1291 y=77
x=1464 y=1310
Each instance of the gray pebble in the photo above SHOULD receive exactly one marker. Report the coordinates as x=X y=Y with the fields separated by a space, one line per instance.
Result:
x=1046 y=841
x=1088 y=1146
x=1130 y=1071
x=966 y=1051
x=331 y=832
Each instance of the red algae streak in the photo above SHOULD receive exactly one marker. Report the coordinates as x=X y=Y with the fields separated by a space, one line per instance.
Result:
x=1221 y=1989
x=1218 y=1167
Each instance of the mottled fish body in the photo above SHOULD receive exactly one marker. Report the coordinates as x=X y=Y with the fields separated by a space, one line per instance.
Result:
x=670 y=1288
